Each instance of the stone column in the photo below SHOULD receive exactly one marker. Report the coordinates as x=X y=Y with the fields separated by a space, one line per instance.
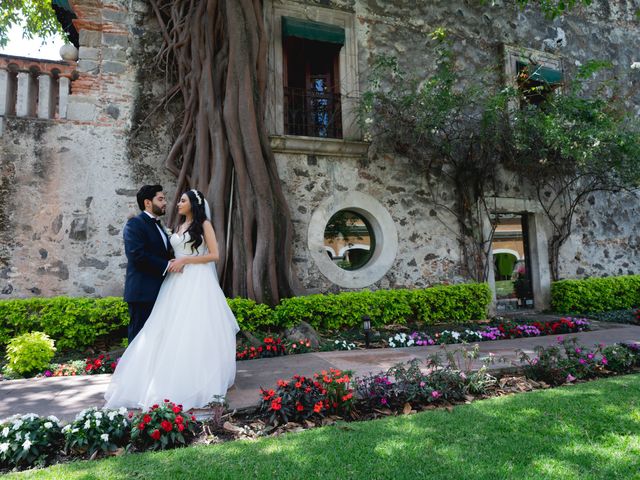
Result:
x=24 y=103
x=63 y=97
x=45 y=96
x=4 y=92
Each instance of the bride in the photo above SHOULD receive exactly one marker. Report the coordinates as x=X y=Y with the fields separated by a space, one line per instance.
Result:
x=186 y=350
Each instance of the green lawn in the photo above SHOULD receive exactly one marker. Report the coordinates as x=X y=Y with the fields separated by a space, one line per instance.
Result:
x=586 y=431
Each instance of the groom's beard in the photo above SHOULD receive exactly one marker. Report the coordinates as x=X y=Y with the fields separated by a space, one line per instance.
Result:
x=157 y=211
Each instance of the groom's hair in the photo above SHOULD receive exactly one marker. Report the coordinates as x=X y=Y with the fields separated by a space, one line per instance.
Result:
x=147 y=192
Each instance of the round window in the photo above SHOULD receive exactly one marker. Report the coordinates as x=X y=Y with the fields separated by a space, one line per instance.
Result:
x=349 y=240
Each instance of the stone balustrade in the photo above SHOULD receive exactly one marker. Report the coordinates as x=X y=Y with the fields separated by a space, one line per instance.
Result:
x=32 y=88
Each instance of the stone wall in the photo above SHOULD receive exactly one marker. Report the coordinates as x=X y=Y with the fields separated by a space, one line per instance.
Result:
x=68 y=185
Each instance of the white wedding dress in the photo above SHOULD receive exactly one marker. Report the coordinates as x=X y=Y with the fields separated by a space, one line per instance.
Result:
x=186 y=351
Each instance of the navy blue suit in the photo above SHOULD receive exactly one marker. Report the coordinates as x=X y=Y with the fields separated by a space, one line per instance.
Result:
x=147 y=258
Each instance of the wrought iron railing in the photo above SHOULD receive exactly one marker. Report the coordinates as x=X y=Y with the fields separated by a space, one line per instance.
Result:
x=312 y=113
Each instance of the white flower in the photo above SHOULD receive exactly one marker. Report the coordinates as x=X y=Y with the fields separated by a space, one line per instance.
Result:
x=124 y=422
x=66 y=428
x=5 y=432
x=48 y=425
x=122 y=411
x=104 y=437
x=30 y=416
x=4 y=447
x=97 y=423
x=18 y=424
x=53 y=418
x=26 y=445
x=87 y=424
x=18 y=436
x=368 y=120
x=112 y=415
x=635 y=65
x=75 y=430
x=98 y=414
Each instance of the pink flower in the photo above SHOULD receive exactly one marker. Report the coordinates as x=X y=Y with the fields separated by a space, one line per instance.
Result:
x=604 y=360
x=590 y=356
x=582 y=361
x=570 y=378
x=560 y=339
x=435 y=394
x=578 y=350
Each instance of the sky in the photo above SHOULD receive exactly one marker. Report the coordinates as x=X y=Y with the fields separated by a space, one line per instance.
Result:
x=31 y=48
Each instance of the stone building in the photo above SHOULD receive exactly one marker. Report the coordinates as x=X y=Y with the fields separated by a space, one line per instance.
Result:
x=71 y=165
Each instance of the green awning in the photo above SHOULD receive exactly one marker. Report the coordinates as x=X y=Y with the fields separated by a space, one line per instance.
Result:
x=62 y=4
x=541 y=74
x=320 y=32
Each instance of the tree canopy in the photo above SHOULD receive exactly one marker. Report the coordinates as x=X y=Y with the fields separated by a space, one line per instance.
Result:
x=36 y=17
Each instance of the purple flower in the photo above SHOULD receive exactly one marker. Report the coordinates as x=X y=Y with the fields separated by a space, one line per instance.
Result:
x=590 y=356
x=604 y=360
x=560 y=339
x=570 y=378
x=582 y=361
x=578 y=350
x=383 y=401
x=47 y=373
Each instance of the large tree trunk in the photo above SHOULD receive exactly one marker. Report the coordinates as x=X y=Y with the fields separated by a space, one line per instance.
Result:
x=216 y=53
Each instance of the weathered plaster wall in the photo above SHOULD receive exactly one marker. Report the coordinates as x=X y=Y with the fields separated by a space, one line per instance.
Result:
x=68 y=186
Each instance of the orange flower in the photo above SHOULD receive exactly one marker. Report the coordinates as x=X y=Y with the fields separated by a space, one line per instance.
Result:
x=317 y=407
x=348 y=396
x=326 y=379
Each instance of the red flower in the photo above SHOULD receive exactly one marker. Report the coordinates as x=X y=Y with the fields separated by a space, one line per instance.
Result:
x=155 y=434
x=113 y=365
x=299 y=407
x=166 y=425
x=179 y=419
x=166 y=400
x=180 y=427
x=317 y=407
x=146 y=418
x=98 y=363
x=276 y=404
x=153 y=407
x=177 y=409
x=141 y=426
x=100 y=357
x=130 y=414
x=298 y=384
x=348 y=396
x=193 y=418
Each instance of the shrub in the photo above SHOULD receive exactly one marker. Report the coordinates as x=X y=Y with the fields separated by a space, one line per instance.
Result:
x=30 y=353
x=101 y=364
x=252 y=316
x=75 y=367
x=97 y=430
x=303 y=398
x=596 y=295
x=74 y=323
x=162 y=426
x=28 y=440
x=455 y=303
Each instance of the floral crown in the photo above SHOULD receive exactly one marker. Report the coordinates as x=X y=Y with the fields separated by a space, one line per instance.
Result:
x=197 y=194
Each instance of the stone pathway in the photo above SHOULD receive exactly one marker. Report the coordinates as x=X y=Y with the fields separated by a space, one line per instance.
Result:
x=64 y=397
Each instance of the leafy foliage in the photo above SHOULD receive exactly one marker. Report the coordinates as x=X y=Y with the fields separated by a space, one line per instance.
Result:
x=162 y=426
x=36 y=17
x=594 y=295
x=29 y=440
x=96 y=430
x=30 y=353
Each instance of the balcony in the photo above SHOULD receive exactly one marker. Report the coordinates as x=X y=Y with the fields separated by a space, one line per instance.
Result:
x=312 y=113
x=32 y=88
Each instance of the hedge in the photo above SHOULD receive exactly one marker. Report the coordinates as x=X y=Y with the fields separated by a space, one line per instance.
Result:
x=455 y=303
x=596 y=295
x=75 y=323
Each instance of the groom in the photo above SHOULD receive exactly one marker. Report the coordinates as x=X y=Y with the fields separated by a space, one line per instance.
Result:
x=148 y=253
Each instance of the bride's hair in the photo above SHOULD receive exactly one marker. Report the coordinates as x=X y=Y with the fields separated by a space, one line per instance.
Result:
x=196 y=229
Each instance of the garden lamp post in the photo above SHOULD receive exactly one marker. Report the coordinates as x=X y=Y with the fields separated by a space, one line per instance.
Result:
x=366 y=326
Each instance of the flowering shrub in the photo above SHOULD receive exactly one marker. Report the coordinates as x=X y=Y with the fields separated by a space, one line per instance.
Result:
x=76 y=367
x=422 y=339
x=401 y=340
x=162 y=426
x=452 y=336
x=271 y=347
x=377 y=390
x=27 y=440
x=97 y=430
x=556 y=365
x=564 y=325
x=102 y=364
x=29 y=353
x=343 y=345
x=301 y=346
x=302 y=397
x=621 y=358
